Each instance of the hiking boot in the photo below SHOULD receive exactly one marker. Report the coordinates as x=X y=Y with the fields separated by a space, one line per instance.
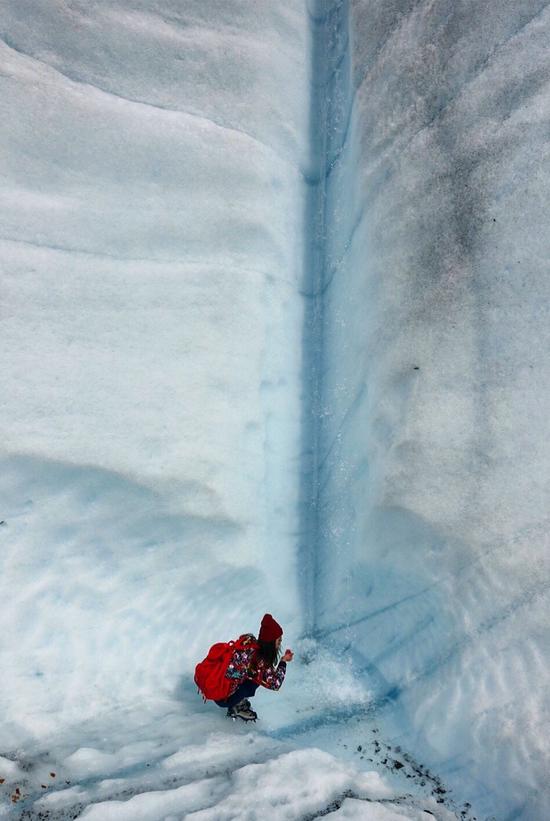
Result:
x=241 y=711
x=245 y=704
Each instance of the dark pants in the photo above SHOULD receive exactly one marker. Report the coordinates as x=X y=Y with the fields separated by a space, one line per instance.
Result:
x=244 y=690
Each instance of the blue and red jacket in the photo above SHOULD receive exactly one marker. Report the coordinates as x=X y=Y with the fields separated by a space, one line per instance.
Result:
x=246 y=663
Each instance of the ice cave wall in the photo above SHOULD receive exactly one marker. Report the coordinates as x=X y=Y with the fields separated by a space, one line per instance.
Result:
x=151 y=203
x=433 y=447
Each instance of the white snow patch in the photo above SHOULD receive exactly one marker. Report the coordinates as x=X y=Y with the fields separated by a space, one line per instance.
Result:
x=285 y=787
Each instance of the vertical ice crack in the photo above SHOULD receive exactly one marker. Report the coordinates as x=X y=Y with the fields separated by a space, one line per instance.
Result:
x=329 y=45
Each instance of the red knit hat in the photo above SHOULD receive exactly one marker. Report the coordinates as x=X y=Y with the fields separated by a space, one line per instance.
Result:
x=270 y=630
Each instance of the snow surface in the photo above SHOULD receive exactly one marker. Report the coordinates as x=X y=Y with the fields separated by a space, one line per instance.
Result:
x=274 y=330
x=178 y=758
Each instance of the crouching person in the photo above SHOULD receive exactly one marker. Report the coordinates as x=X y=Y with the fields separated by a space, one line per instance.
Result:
x=245 y=665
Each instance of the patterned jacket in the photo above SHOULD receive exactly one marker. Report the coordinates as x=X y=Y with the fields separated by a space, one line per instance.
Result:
x=246 y=664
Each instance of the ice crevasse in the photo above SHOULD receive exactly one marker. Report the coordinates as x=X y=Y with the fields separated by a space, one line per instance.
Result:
x=275 y=305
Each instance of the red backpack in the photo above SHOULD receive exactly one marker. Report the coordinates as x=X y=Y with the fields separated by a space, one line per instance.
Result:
x=210 y=673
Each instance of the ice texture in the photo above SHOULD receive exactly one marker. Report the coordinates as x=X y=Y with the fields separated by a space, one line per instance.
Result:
x=433 y=448
x=150 y=196
x=275 y=323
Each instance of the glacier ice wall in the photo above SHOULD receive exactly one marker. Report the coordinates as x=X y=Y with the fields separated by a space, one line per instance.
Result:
x=178 y=192
x=151 y=202
x=433 y=447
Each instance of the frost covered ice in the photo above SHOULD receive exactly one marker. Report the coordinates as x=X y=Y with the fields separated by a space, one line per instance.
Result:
x=271 y=276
